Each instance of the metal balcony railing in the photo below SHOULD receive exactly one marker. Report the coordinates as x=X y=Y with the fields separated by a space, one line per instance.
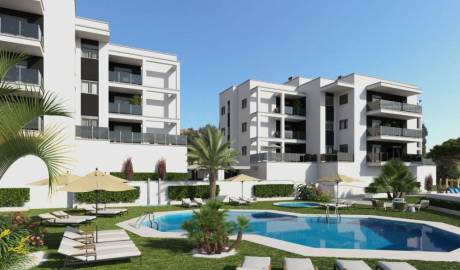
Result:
x=291 y=134
x=24 y=75
x=125 y=77
x=382 y=157
x=282 y=157
x=339 y=156
x=102 y=133
x=294 y=111
x=393 y=105
x=394 y=131
x=125 y=108
x=16 y=26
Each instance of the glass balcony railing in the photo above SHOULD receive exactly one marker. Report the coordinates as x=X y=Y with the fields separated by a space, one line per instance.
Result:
x=394 y=106
x=394 y=131
x=291 y=134
x=125 y=108
x=35 y=125
x=382 y=157
x=102 y=133
x=282 y=157
x=339 y=156
x=289 y=110
x=125 y=77
x=24 y=75
x=19 y=27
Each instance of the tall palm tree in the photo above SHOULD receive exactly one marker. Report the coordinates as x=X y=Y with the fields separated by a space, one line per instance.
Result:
x=211 y=153
x=20 y=105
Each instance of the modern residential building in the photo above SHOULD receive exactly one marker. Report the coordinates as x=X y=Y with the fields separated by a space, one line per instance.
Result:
x=305 y=129
x=124 y=102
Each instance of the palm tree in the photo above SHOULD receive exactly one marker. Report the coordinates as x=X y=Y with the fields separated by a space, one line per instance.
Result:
x=18 y=107
x=241 y=225
x=211 y=153
x=395 y=179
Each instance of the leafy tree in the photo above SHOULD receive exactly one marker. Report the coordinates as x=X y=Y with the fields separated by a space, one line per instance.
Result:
x=447 y=158
x=211 y=153
x=395 y=179
x=241 y=225
x=424 y=134
x=18 y=107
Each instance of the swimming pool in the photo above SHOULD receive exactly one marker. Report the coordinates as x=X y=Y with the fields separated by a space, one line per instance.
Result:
x=346 y=233
x=297 y=204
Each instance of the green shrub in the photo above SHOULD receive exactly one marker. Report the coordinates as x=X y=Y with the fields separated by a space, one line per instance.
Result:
x=273 y=190
x=142 y=176
x=181 y=192
x=14 y=246
x=13 y=197
x=109 y=196
x=452 y=205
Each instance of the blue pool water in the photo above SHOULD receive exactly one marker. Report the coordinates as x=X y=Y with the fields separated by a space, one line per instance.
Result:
x=297 y=204
x=346 y=233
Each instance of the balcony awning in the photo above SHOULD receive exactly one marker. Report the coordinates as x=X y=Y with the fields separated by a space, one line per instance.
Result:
x=393 y=88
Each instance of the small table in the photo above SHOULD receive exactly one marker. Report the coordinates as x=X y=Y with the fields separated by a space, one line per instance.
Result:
x=335 y=206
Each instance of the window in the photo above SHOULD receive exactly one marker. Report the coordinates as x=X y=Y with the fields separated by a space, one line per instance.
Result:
x=89 y=51
x=343 y=124
x=244 y=151
x=223 y=131
x=244 y=103
x=343 y=99
x=89 y=122
x=244 y=127
x=89 y=87
x=343 y=148
x=329 y=126
x=222 y=110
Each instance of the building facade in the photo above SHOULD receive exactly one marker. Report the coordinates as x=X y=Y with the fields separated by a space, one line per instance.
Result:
x=305 y=129
x=124 y=102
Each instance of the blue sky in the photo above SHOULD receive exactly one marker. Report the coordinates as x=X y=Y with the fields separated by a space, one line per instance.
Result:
x=221 y=43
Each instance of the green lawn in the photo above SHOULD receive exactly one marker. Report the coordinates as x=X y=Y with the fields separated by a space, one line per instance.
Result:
x=174 y=254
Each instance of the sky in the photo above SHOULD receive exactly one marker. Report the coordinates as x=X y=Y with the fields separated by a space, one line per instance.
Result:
x=222 y=43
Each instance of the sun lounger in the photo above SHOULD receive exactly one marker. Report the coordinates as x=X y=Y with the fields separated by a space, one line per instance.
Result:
x=297 y=264
x=53 y=220
x=394 y=266
x=351 y=265
x=62 y=214
x=199 y=201
x=105 y=211
x=249 y=200
x=77 y=252
x=186 y=202
x=255 y=263
x=237 y=201
x=89 y=237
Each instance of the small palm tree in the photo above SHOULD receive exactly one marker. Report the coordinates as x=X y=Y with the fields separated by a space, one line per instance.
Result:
x=241 y=225
x=211 y=153
x=18 y=107
x=396 y=179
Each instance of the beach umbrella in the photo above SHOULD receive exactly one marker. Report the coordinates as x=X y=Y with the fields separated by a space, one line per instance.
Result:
x=97 y=181
x=336 y=180
x=61 y=180
x=242 y=178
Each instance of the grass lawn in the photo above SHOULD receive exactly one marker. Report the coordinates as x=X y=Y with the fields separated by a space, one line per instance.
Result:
x=174 y=254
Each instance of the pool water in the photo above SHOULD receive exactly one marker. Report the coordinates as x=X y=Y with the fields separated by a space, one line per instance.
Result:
x=346 y=233
x=297 y=204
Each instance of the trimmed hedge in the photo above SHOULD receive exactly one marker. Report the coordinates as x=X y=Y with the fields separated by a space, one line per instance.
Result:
x=14 y=197
x=109 y=196
x=142 y=176
x=273 y=190
x=181 y=192
x=452 y=205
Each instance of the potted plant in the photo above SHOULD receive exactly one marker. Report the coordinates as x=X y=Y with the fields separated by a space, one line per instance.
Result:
x=135 y=100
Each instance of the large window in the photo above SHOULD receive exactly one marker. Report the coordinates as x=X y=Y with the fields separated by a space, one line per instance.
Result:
x=343 y=124
x=89 y=51
x=244 y=151
x=343 y=99
x=343 y=148
x=89 y=87
x=244 y=127
x=244 y=103
x=222 y=110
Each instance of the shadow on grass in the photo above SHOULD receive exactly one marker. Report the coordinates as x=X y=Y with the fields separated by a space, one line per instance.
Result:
x=172 y=245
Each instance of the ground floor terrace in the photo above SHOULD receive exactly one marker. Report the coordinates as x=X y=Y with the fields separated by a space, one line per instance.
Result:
x=167 y=253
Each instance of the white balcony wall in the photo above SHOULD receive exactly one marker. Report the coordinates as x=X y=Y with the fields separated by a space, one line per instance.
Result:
x=159 y=75
x=160 y=105
x=345 y=111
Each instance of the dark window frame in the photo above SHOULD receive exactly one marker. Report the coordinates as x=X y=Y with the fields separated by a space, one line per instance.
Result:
x=244 y=103
x=343 y=124
x=343 y=99
x=343 y=147
x=222 y=110
x=244 y=150
x=244 y=127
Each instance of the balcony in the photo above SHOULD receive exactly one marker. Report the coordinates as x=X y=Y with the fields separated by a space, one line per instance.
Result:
x=23 y=75
x=35 y=125
x=297 y=135
x=282 y=157
x=394 y=134
x=383 y=157
x=125 y=77
x=289 y=110
x=18 y=35
x=125 y=108
x=392 y=109
x=102 y=133
x=335 y=157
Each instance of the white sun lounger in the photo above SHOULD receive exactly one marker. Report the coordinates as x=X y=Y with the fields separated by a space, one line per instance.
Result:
x=247 y=200
x=102 y=236
x=237 y=201
x=255 y=263
x=297 y=264
x=188 y=203
x=351 y=265
x=62 y=214
x=100 y=246
x=51 y=219
x=394 y=266
x=105 y=211
x=199 y=201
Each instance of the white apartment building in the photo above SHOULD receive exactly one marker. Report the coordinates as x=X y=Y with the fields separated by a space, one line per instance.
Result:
x=305 y=129
x=125 y=102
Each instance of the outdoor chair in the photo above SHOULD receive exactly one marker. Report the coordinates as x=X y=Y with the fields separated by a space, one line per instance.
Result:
x=351 y=265
x=255 y=263
x=62 y=214
x=298 y=264
x=187 y=202
x=199 y=201
x=399 y=206
x=423 y=204
x=394 y=266
x=50 y=219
